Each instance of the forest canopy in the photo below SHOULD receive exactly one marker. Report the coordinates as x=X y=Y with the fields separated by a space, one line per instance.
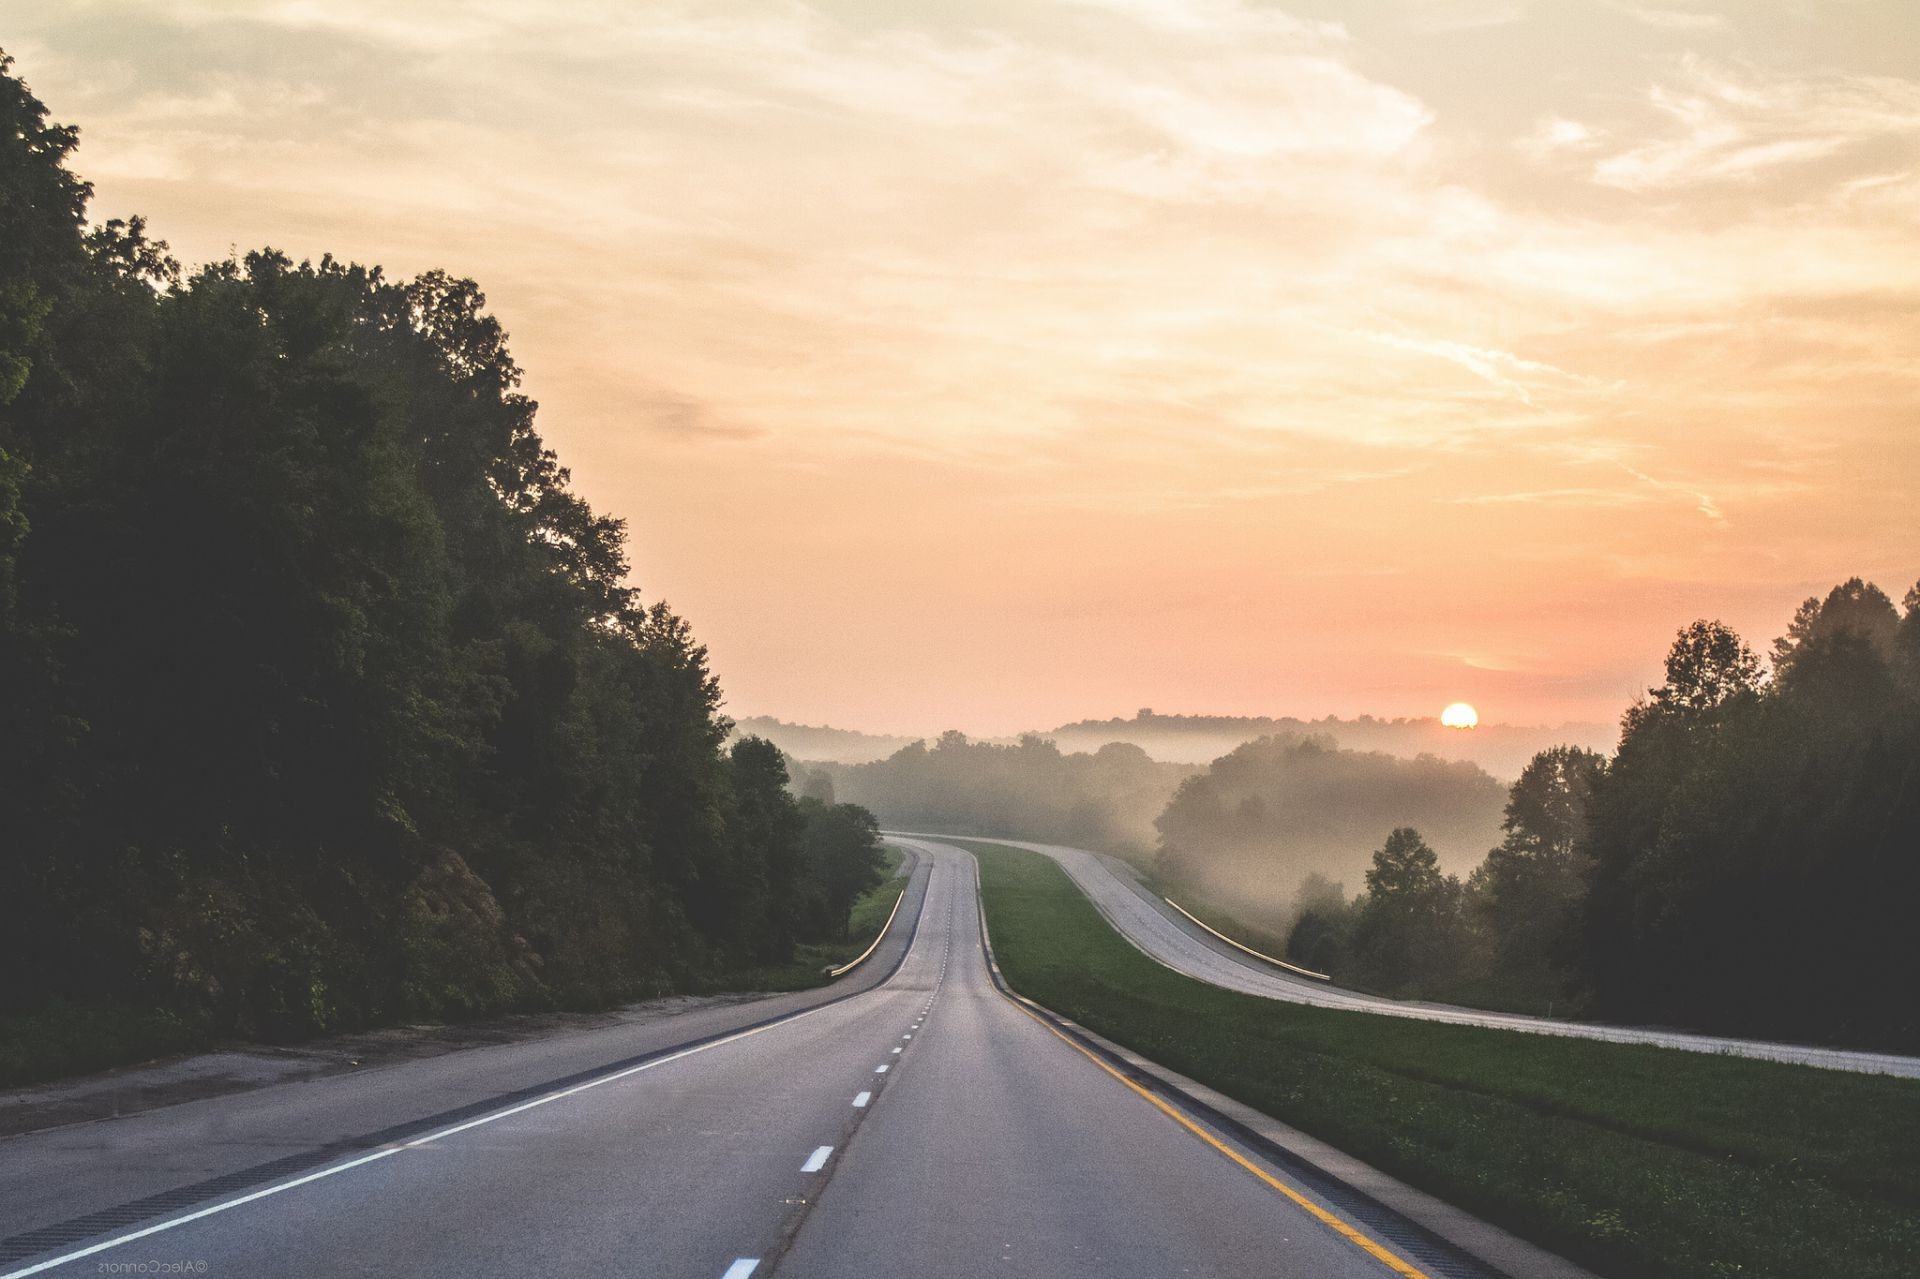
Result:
x=327 y=700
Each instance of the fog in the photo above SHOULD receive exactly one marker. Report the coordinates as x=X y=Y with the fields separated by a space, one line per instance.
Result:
x=1246 y=832
x=1238 y=835
x=1106 y=799
x=819 y=741
x=1501 y=749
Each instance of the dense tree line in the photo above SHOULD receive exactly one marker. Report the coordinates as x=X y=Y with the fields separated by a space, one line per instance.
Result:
x=1748 y=862
x=1756 y=843
x=1104 y=799
x=324 y=696
x=1502 y=934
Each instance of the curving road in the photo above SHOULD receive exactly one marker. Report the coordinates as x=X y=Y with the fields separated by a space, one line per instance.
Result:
x=910 y=1119
x=1144 y=919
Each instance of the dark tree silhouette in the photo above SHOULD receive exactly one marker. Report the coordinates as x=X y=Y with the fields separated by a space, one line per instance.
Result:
x=326 y=698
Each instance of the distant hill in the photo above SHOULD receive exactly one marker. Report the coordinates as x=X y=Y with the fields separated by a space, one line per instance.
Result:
x=1245 y=832
x=819 y=742
x=1501 y=749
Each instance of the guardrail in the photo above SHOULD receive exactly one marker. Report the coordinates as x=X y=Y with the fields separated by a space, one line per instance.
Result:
x=1277 y=963
x=861 y=958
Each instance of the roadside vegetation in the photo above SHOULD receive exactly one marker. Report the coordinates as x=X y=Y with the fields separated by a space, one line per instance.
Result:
x=1636 y=1161
x=812 y=960
x=1743 y=865
x=1028 y=790
x=326 y=702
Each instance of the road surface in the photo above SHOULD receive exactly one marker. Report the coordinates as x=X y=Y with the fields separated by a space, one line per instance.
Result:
x=910 y=1120
x=1145 y=919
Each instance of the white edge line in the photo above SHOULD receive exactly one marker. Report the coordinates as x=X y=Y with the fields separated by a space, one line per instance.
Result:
x=855 y=963
x=385 y=1152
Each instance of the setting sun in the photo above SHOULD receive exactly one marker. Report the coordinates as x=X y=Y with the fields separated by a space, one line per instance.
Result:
x=1460 y=715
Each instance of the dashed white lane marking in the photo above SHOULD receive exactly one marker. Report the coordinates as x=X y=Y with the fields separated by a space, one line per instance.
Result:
x=881 y=1069
x=741 y=1268
x=387 y=1152
x=860 y=1102
x=817 y=1160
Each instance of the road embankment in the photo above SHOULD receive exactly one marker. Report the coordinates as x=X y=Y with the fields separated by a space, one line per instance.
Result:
x=1630 y=1159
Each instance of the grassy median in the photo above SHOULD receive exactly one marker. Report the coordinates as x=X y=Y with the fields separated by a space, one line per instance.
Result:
x=1635 y=1161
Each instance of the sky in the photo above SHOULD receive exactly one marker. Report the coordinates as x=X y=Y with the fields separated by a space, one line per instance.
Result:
x=998 y=363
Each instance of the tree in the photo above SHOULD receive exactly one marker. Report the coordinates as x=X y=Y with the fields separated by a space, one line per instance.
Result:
x=1409 y=937
x=1854 y=607
x=1752 y=867
x=844 y=858
x=1906 y=642
x=326 y=699
x=1323 y=924
x=1709 y=667
x=1526 y=892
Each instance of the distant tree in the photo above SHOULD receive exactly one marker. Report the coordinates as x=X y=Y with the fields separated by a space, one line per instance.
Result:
x=1241 y=834
x=1105 y=799
x=1906 y=642
x=1409 y=936
x=1323 y=924
x=1854 y=607
x=812 y=783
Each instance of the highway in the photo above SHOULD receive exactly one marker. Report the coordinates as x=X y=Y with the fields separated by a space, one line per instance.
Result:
x=1147 y=921
x=910 y=1119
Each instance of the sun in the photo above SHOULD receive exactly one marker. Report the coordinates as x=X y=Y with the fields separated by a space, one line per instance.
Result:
x=1460 y=715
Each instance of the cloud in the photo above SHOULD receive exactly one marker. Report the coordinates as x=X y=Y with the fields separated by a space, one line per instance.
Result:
x=1510 y=372
x=1740 y=124
x=1199 y=297
x=1674 y=19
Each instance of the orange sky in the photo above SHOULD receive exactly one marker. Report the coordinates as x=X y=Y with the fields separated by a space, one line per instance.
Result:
x=997 y=363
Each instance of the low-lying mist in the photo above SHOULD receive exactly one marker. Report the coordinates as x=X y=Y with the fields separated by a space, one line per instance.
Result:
x=1243 y=834
x=1501 y=749
x=1239 y=835
x=1106 y=799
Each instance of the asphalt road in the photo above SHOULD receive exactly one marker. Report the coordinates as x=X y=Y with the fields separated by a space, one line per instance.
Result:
x=1149 y=923
x=921 y=1123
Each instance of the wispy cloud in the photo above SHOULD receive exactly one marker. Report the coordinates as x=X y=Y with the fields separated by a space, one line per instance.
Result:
x=1194 y=298
x=1736 y=124
x=1669 y=19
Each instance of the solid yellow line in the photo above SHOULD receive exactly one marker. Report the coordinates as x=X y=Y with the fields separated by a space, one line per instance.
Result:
x=853 y=964
x=1352 y=1235
x=1278 y=963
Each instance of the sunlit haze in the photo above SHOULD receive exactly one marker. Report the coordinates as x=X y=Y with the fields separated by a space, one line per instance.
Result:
x=992 y=365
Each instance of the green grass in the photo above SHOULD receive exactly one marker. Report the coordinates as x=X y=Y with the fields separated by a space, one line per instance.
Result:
x=1221 y=922
x=810 y=961
x=63 y=1040
x=1636 y=1161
